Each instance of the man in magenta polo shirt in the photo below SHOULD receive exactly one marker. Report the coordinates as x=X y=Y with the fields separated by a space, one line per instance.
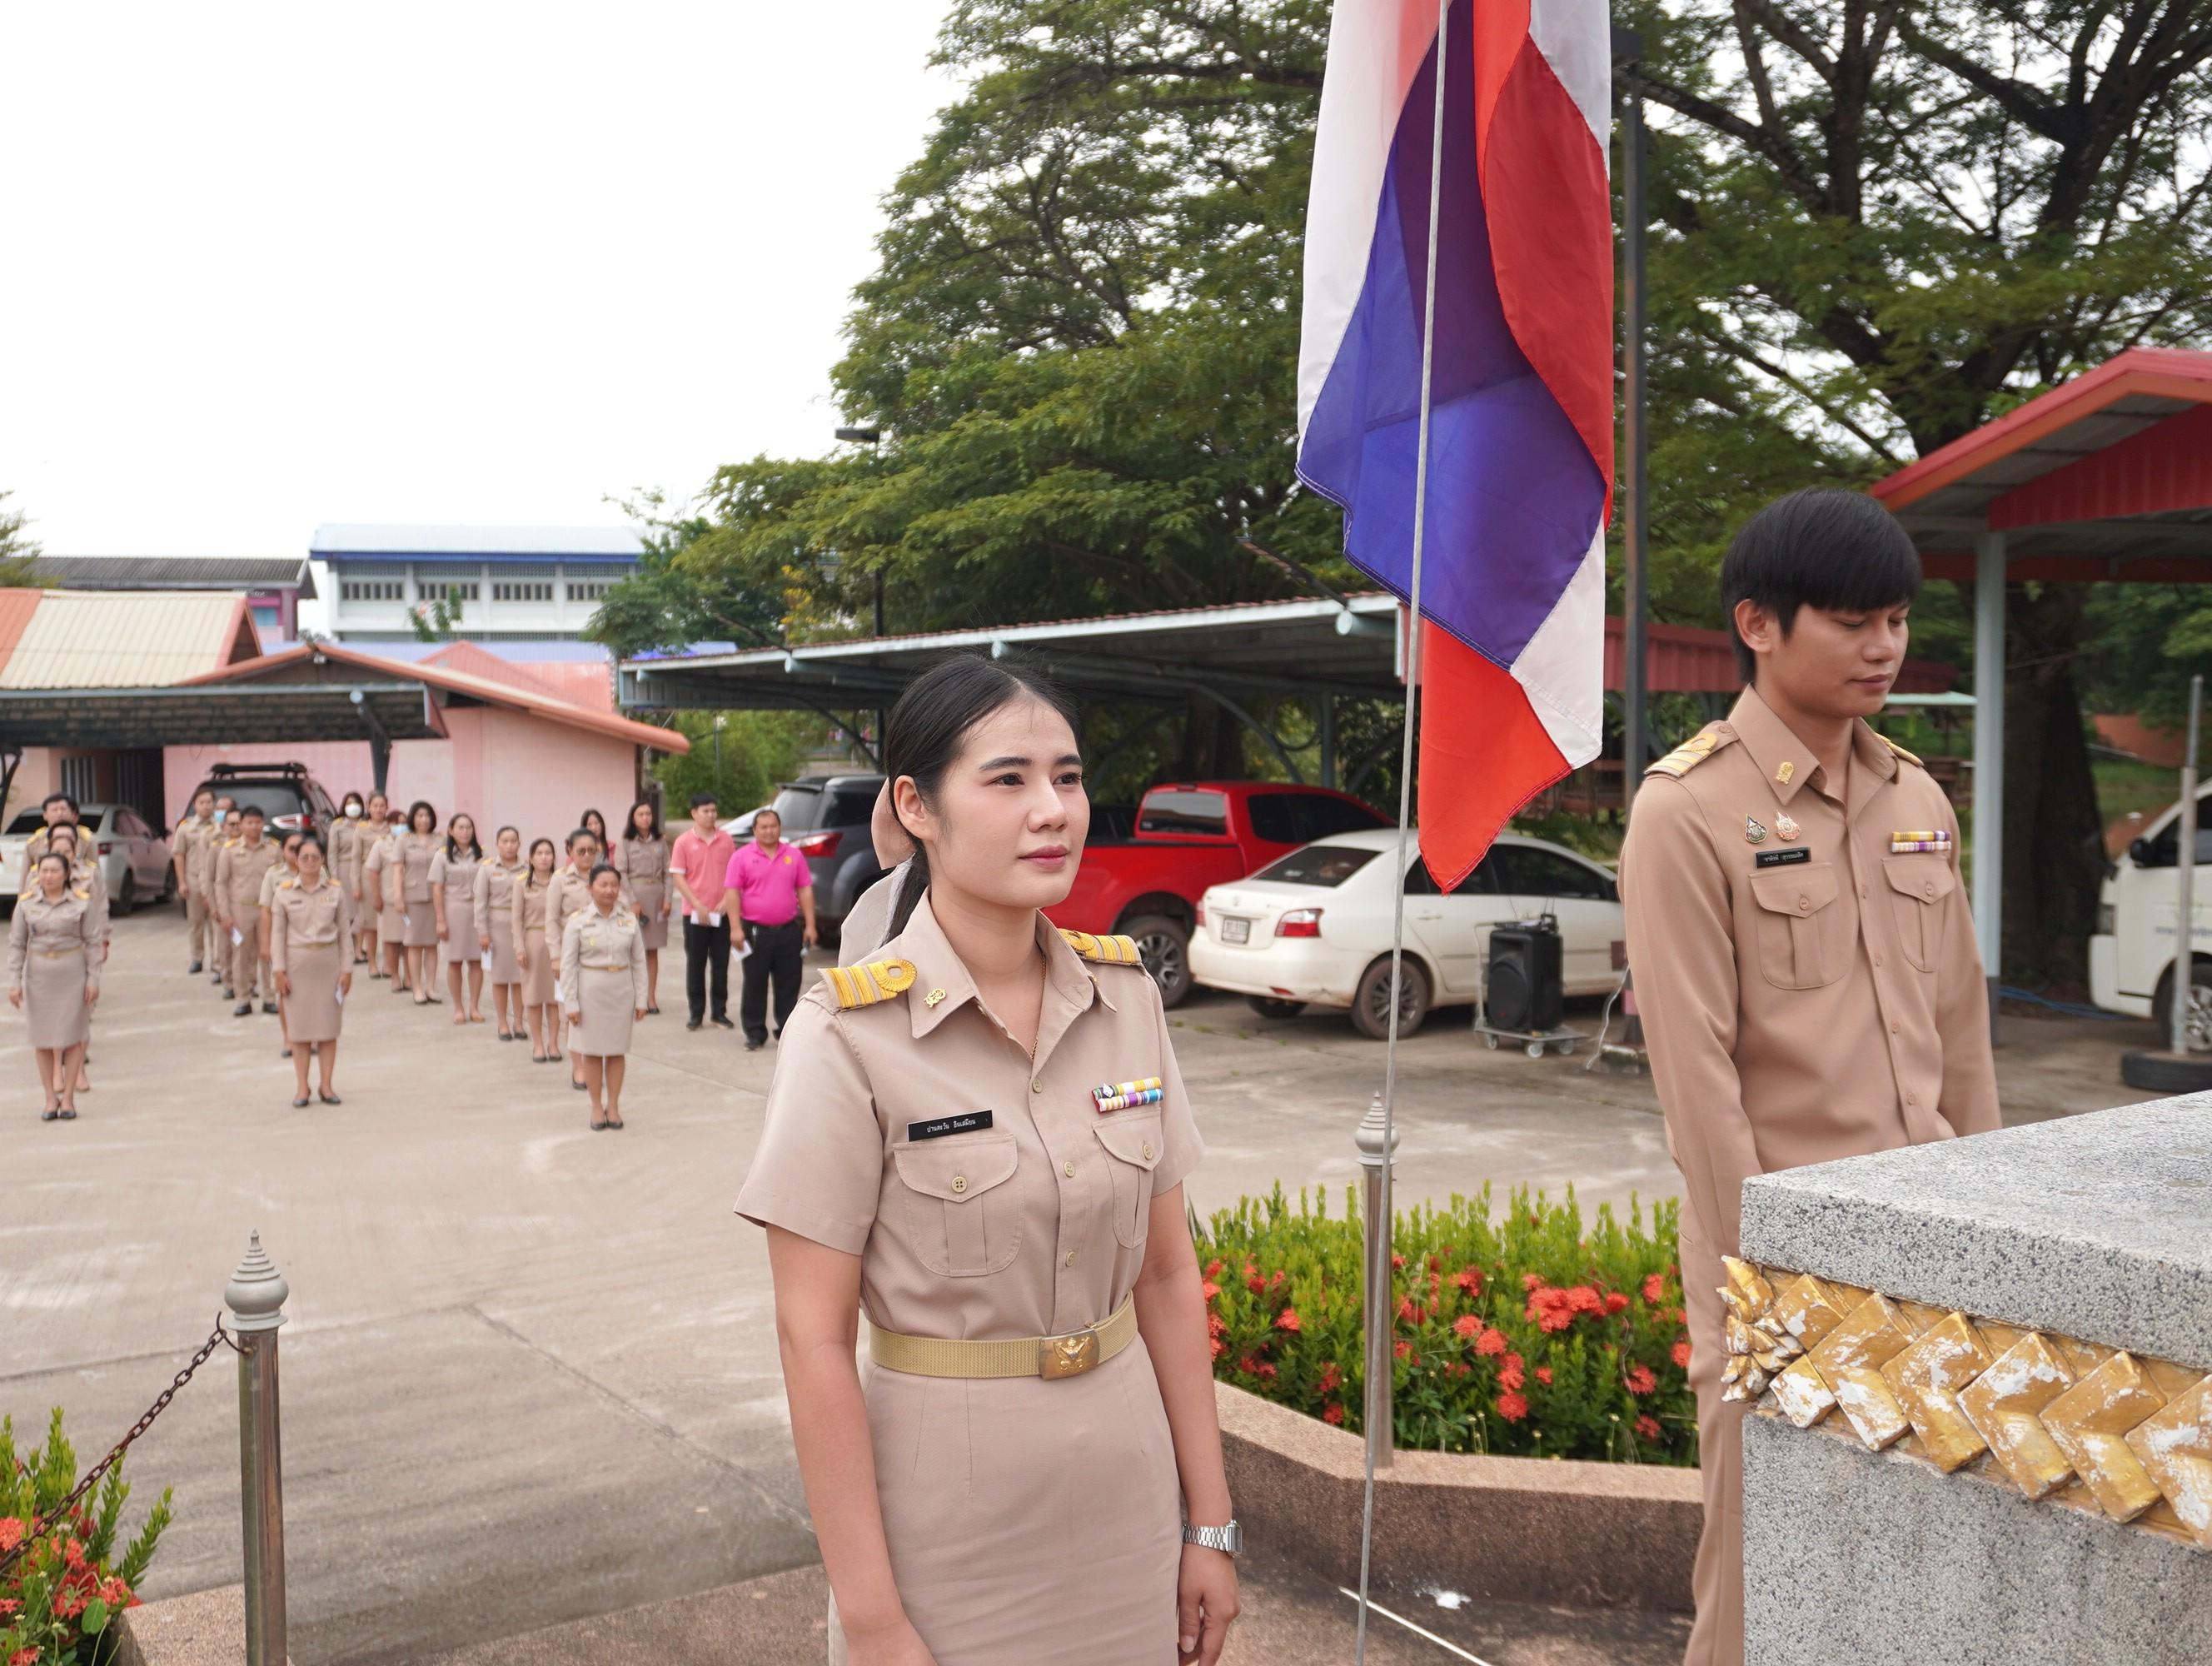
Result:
x=698 y=862
x=772 y=889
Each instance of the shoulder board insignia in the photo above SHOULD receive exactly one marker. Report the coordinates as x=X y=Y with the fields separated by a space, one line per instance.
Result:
x=83 y=895
x=1690 y=754
x=1910 y=757
x=287 y=885
x=865 y=985
x=1104 y=951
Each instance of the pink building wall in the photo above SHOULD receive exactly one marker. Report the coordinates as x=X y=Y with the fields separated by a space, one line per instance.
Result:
x=500 y=766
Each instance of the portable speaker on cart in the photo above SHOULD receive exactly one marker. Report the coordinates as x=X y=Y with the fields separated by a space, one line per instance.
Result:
x=1526 y=988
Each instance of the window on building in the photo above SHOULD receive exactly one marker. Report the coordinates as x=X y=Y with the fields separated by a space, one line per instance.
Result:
x=589 y=590
x=373 y=590
x=522 y=590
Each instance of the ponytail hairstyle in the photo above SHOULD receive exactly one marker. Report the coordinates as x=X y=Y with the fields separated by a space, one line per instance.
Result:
x=924 y=734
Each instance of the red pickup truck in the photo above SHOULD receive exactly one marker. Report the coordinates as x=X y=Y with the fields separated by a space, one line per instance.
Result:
x=1190 y=835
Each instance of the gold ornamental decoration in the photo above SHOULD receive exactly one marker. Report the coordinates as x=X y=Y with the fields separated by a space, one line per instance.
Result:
x=2072 y=1422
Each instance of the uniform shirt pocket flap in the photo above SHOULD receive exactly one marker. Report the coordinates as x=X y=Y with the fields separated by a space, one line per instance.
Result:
x=1794 y=890
x=956 y=1172
x=1139 y=1143
x=1925 y=878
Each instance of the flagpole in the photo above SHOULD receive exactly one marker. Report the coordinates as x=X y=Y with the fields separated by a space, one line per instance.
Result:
x=1378 y=1310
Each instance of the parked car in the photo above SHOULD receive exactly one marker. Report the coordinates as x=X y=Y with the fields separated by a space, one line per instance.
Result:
x=133 y=855
x=288 y=796
x=1188 y=835
x=2132 y=951
x=1314 y=928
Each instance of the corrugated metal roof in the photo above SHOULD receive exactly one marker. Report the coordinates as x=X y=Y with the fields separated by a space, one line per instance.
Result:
x=109 y=639
x=179 y=573
x=600 y=543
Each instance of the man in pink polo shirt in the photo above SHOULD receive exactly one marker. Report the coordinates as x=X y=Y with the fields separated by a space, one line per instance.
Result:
x=698 y=862
x=772 y=888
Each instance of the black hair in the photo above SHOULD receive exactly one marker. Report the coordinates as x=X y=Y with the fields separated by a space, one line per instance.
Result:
x=499 y=832
x=308 y=836
x=599 y=832
x=419 y=807
x=476 y=843
x=576 y=833
x=1818 y=547
x=252 y=809
x=598 y=868
x=530 y=861
x=701 y=800
x=630 y=821
x=924 y=734
x=347 y=798
x=296 y=833
x=45 y=856
x=58 y=827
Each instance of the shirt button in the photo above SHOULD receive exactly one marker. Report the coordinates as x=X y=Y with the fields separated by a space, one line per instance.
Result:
x=1071 y=1258
x=1929 y=889
x=1910 y=1100
x=959 y=1183
x=1893 y=1029
x=1037 y=1086
x=1877 y=960
x=1148 y=1150
x=1804 y=904
x=1068 y=1169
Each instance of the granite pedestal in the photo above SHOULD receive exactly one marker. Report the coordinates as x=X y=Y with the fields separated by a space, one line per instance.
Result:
x=2046 y=1291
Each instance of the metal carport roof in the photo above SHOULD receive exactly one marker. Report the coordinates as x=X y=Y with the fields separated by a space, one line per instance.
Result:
x=263 y=715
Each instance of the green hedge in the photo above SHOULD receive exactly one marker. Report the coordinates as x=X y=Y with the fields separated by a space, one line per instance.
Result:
x=1530 y=1335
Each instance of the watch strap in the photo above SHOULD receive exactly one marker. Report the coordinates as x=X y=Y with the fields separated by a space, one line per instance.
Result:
x=1227 y=1538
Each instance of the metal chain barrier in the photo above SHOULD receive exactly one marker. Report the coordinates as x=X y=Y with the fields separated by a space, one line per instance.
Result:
x=31 y=1537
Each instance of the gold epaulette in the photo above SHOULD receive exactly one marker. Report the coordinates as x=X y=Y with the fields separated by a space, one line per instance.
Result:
x=1106 y=950
x=865 y=985
x=81 y=895
x=1910 y=757
x=287 y=885
x=1691 y=753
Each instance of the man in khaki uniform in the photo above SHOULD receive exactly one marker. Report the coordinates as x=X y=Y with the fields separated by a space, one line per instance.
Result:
x=1804 y=960
x=57 y=808
x=192 y=851
x=240 y=866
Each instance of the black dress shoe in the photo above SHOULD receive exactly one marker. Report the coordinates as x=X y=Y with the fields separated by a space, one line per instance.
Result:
x=194 y=967
x=692 y=1023
x=269 y=1006
x=724 y=1023
x=755 y=1047
x=243 y=1009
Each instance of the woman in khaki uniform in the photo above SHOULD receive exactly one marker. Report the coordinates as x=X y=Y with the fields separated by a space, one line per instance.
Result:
x=493 y=905
x=533 y=952
x=381 y=879
x=570 y=891
x=85 y=876
x=344 y=850
x=642 y=858
x=54 y=976
x=603 y=986
x=367 y=899
x=453 y=894
x=418 y=846
x=943 y=1150
x=278 y=872
x=310 y=951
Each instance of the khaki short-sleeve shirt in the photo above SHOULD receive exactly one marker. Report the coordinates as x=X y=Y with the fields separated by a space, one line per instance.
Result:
x=876 y=1141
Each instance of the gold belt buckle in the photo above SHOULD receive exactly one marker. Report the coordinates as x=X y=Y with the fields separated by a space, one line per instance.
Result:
x=1067 y=1356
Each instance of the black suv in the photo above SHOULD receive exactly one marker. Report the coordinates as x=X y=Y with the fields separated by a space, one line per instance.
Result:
x=288 y=797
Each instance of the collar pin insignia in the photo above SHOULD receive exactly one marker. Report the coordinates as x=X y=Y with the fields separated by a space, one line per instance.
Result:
x=1752 y=832
x=1783 y=774
x=933 y=998
x=1787 y=829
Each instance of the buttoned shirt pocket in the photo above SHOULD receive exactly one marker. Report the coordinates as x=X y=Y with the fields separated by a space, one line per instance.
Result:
x=1921 y=887
x=1133 y=1145
x=964 y=1218
x=1804 y=938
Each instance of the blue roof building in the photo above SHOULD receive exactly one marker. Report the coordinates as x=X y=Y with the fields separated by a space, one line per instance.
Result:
x=514 y=584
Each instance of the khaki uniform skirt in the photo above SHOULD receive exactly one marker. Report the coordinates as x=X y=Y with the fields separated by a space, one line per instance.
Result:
x=311 y=942
x=532 y=954
x=644 y=866
x=603 y=978
x=459 y=881
x=416 y=853
x=384 y=881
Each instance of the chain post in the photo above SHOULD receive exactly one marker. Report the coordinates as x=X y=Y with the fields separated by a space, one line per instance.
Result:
x=255 y=1296
x=1376 y=1156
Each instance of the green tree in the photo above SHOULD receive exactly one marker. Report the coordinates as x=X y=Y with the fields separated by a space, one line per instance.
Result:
x=741 y=758
x=19 y=552
x=665 y=605
x=1896 y=221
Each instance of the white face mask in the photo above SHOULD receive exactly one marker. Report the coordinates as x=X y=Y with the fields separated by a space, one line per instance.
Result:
x=353 y=809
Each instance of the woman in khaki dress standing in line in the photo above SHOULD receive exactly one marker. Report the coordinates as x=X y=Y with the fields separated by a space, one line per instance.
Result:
x=603 y=987
x=418 y=846
x=311 y=954
x=642 y=858
x=493 y=907
x=85 y=876
x=570 y=891
x=342 y=854
x=533 y=953
x=453 y=894
x=944 y=1149
x=288 y=868
x=366 y=904
x=381 y=877
x=53 y=976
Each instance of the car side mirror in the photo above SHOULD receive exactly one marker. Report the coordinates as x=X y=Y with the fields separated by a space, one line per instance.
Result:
x=2139 y=852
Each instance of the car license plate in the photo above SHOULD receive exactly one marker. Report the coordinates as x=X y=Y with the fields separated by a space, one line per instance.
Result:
x=1234 y=930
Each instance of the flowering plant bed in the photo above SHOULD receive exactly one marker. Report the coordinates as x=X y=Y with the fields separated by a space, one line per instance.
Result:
x=59 y=1599
x=1529 y=1336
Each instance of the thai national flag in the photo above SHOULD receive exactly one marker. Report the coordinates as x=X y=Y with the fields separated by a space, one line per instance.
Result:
x=1521 y=443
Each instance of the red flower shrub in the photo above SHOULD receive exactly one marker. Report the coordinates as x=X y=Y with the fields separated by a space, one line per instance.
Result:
x=1680 y=1353
x=1647 y=1428
x=1513 y=1407
x=1642 y=1379
x=1655 y=1287
x=1287 y=1319
x=1332 y=1413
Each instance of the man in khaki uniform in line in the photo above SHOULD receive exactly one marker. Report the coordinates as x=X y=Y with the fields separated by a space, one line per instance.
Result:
x=192 y=851
x=239 y=867
x=1804 y=960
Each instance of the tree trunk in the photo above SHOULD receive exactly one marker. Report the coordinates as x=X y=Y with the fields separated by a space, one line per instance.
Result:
x=1212 y=742
x=2053 y=842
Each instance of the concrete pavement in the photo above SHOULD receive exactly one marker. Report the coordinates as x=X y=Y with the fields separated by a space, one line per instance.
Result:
x=530 y=1373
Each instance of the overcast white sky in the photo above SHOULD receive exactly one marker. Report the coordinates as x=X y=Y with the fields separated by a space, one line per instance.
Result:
x=264 y=266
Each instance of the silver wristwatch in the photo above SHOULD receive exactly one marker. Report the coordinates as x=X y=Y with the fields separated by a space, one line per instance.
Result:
x=1229 y=1538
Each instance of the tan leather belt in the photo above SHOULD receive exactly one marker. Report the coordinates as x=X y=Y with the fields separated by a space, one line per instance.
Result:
x=1068 y=1355
x=59 y=954
x=608 y=966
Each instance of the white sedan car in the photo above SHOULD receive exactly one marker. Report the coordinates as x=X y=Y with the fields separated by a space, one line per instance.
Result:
x=133 y=855
x=1313 y=929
